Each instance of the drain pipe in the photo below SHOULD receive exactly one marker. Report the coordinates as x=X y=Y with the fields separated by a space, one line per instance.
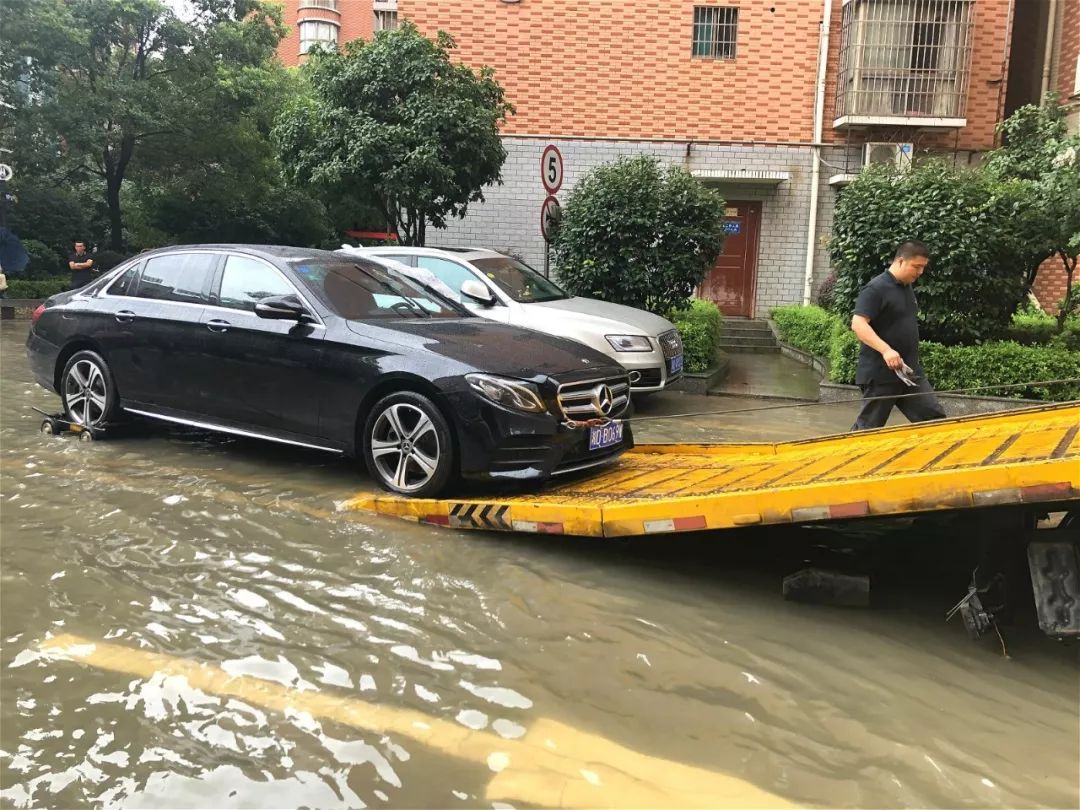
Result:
x=1048 y=52
x=815 y=172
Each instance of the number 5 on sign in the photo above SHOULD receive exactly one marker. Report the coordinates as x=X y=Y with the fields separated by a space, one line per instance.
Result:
x=551 y=169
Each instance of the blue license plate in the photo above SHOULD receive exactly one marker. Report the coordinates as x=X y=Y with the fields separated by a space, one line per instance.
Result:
x=674 y=365
x=606 y=436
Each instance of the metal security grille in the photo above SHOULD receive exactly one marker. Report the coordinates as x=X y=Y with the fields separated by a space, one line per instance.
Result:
x=905 y=58
x=385 y=20
x=715 y=29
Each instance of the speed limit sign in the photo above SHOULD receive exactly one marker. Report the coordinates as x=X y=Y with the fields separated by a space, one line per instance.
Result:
x=551 y=169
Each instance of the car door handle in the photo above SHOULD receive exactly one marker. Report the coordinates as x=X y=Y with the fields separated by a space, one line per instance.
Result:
x=218 y=325
x=125 y=316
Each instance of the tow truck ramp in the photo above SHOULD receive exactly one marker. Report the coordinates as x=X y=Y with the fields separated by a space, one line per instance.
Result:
x=1025 y=458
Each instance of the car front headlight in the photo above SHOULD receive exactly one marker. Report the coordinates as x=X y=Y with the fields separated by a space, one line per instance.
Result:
x=629 y=343
x=510 y=393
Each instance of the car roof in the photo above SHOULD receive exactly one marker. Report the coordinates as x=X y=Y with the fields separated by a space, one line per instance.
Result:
x=460 y=252
x=266 y=251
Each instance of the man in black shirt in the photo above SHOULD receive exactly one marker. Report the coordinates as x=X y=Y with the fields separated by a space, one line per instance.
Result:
x=81 y=265
x=886 y=321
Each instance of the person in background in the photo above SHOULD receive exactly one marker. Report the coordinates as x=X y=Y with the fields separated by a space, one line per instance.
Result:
x=886 y=321
x=81 y=265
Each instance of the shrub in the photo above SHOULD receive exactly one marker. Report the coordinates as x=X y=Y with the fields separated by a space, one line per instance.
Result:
x=826 y=292
x=843 y=354
x=44 y=261
x=951 y=368
x=1031 y=328
x=976 y=227
x=635 y=234
x=36 y=288
x=699 y=327
x=806 y=328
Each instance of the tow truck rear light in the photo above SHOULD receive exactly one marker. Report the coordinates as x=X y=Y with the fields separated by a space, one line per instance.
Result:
x=37 y=313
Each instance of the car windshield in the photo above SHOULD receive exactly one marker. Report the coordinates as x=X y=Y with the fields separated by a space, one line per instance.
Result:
x=518 y=280
x=361 y=290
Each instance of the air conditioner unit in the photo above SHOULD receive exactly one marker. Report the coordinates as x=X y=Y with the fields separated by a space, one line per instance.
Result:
x=893 y=154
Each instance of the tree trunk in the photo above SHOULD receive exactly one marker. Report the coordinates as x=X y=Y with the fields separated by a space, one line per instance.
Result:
x=1068 y=304
x=116 y=221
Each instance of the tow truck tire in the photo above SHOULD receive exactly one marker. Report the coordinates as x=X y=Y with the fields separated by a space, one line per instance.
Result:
x=407 y=445
x=87 y=390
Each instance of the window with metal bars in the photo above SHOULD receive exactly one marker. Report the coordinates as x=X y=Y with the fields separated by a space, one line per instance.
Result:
x=385 y=20
x=715 y=30
x=905 y=58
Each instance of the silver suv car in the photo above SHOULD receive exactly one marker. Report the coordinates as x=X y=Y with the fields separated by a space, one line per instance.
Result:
x=501 y=288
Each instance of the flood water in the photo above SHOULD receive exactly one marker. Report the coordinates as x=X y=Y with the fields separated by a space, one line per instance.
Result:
x=621 y=657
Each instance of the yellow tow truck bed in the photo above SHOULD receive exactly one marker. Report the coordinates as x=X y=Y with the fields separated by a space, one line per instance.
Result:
x=1022 y=457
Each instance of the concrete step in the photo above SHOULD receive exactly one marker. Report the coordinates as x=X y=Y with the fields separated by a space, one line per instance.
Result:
x=732 y=341
x=774 y=349
x=743 y=331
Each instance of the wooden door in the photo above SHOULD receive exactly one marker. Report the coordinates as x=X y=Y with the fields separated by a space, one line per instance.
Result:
x=731 y=282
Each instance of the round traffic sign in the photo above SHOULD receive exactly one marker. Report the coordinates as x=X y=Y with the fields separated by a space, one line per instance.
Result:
x=6 y=173
x=551 y=168
x=550 y=212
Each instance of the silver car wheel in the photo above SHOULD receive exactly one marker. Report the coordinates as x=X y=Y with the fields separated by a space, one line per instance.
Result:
x=405 y=447
x=86 y=395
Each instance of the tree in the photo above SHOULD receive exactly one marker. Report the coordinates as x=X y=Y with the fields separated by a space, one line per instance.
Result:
x=979 y=232
x=635 y=234
x=1039 y=152
x=396 y=118
x=107 y=79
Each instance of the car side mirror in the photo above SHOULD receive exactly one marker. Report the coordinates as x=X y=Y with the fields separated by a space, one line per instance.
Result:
x=282 y=308
x=478 y=292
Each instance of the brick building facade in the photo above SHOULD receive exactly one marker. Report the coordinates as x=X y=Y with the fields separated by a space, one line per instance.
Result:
x=727 y=89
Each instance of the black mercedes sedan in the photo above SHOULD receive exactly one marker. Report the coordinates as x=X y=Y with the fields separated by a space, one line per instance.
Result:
x=332 y=352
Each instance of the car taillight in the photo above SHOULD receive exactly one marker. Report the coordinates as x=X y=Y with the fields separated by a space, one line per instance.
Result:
x=37 y=313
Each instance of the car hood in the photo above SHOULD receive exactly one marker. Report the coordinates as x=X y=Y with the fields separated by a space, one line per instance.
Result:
x=591 y=313
x=495 y=348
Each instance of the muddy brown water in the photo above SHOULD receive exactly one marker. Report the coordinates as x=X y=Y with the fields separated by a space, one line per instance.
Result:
x=229 y=553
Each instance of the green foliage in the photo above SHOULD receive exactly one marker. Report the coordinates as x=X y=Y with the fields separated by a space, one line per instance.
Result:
x=1039 y=329
x=36 y=288
x=1002 y=363
x=843 y=354
x=979 y=232
x=699 y=327
x=826 y=291
x=638 y=235
x=398 y=117
x=44 y=261
x=52 y=215
x=1040 y=154
x=118 y=88
x=807 y=328
x=951 y=367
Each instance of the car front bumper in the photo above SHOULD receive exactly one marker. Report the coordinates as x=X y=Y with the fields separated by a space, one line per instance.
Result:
x=495 y=443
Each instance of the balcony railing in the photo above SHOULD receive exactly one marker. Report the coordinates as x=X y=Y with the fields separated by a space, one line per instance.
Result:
x=904 y=61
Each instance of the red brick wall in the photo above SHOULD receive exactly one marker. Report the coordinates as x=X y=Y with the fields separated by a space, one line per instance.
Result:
x=1050 y=284
x=354 y=16
x=623 y=68
x=1068 y=48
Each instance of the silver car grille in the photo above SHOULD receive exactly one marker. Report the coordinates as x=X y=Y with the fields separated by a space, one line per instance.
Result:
x=671 y=344
x=594 y=399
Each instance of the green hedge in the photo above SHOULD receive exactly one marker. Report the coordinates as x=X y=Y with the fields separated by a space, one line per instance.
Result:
x=699 y=328
x=806 y=328
x=1037 y=329
x=36 y=288
x=947 y=367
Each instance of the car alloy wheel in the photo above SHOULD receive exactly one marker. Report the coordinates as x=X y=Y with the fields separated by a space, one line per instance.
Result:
x=407 y=445
x=88 y=393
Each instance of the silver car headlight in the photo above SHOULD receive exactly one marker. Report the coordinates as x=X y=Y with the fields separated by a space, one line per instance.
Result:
x=516 y=394
x=629 y=343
